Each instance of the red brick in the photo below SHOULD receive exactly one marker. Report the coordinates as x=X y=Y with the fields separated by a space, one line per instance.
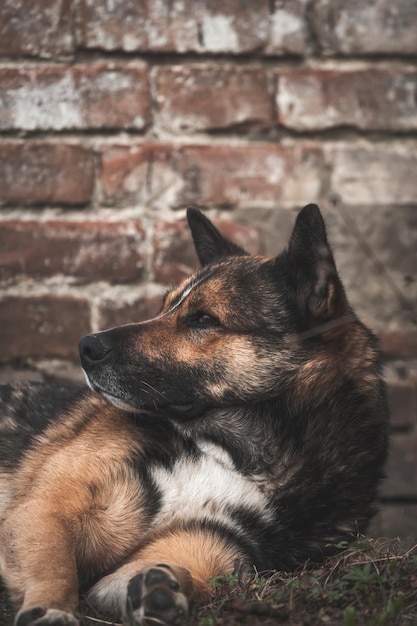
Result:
x=126 y=173
x=206 y=96
x=248 y=237
x=399 y=342
x=42 y=326
x=375 y=248
x=395 y=520
x=370 y=99
x=402 y=399
x=366 y=27
x=402 y=467
x=115 y=313
x=39 y=28
x=10 y=375
x=57 y=97
x=381 y=173
x=87 y=250
x=181 y=25
x=44 y=173
x=246 y=174
x=288 y=32
x=174 y=254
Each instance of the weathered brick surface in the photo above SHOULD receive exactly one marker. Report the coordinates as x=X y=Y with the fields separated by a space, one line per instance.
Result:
x=288 y=29
x=9 y=375
x=208 y=96
x=174 y=256
x=395 y=520
x=361 y=27
x=52 y=97
x=39 y=28
x=398 y=343
x=44 y=173
x=370 y=99
x=402 y=467
x=252 y=174
x=42 y=326
x=375 y=250
x=219 y=26
x=87 y=250
x=115 y=312
x=402 y=399
x=127 y=175
x=378 y=174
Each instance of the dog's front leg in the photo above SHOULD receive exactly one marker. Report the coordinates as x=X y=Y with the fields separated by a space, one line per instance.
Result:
x=161 y=579
x=38 y=565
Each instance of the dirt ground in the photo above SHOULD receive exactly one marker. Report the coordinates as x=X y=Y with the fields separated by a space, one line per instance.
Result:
x=370 y=583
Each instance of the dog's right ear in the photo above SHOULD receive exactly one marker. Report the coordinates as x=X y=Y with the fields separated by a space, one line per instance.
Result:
x=209 y=243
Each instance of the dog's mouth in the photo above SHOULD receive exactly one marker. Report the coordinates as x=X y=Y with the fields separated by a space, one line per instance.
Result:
x=186 y=411
x=157 y=404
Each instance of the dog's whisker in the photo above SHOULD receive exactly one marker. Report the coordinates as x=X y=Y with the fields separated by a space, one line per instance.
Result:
x=152 y=388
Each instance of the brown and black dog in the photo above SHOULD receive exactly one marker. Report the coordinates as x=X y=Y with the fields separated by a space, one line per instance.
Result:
x=243 y=427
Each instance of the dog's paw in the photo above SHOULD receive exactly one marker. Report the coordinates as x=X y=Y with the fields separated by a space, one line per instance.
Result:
x=38 y=616
x=156 y=593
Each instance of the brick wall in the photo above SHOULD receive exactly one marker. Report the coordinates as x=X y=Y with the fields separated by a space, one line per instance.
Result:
x=114 y=116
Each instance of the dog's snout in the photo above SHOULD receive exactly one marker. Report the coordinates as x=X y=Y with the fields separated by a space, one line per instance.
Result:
x=92 y=349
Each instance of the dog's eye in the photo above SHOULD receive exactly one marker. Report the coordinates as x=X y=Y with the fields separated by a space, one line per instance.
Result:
x=201 y=319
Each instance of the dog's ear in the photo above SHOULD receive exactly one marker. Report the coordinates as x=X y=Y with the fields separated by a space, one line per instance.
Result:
x=318 y=288
x=210 y=245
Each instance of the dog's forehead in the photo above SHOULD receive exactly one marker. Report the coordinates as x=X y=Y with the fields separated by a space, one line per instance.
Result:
x=217 y=278
x=180 y=293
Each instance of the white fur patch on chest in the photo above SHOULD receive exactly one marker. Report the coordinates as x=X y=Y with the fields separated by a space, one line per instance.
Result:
x=207 y=488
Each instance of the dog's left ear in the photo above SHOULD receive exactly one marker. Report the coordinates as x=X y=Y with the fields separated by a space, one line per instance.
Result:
x=209 y=243
x=318 y=288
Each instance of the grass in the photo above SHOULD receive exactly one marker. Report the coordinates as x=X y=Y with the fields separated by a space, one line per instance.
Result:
x=368 y=583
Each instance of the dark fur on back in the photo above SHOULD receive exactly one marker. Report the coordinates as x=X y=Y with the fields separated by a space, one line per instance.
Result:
x=245 y=425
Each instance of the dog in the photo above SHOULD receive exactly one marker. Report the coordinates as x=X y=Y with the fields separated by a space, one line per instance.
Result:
x=245 y=426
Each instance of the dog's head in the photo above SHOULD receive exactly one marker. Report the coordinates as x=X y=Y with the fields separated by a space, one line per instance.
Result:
x=237 y=331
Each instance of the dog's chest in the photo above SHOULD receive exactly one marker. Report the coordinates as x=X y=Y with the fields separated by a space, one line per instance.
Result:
x=207 y=488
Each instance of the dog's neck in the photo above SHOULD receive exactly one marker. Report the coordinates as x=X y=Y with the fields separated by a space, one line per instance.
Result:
x=249 y=426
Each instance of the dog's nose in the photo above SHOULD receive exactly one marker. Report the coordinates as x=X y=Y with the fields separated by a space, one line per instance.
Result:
x=92 y=349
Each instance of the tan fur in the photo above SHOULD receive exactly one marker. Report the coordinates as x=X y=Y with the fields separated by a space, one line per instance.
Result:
x=345 y=351
x=182 y=549
x=91 y=496
x=90 y=514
